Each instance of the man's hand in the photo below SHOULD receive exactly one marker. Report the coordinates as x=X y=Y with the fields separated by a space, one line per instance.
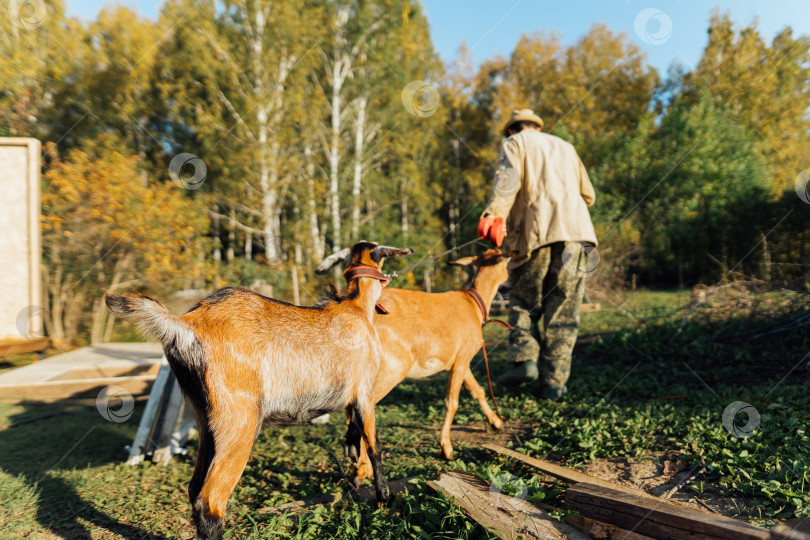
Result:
x=492 y=229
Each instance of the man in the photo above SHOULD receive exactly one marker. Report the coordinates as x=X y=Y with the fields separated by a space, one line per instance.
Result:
x=539 y=208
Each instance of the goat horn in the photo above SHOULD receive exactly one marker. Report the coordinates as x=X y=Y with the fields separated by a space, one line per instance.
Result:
x=332 y=260
x=387 y=251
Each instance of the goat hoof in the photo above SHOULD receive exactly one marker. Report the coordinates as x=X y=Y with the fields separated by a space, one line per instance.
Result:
x=447 y=453
x=498 y=423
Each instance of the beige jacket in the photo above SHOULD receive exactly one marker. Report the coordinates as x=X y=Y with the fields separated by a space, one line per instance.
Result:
x=542 y=189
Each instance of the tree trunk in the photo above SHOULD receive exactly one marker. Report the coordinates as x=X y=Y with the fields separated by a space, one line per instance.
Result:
x=358 y=167
x=229 y=253
x=766 y=259
x=217 y=244
x=455 y=204
x=100 y=312
x=403 y=210
x=56 y=331
x=99 y=316
x=268 y=152
x=334 y=152
x=296 y=293
x=249 y=246
x=316 y=248
x=75 y=308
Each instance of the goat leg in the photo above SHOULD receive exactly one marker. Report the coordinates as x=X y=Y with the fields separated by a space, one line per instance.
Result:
x=478 y=393
x=354 y=435
x=233 y=440
x=454 y=383
x=368 y=426
x=380 y=484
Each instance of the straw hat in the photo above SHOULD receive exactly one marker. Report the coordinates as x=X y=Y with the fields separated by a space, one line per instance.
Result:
x=522 y=115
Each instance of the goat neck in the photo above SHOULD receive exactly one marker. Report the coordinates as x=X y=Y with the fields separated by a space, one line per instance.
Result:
x=365 y=285
x=486 y=283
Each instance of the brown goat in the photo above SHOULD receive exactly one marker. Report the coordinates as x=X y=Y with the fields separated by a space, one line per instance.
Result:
x=246 y=361
x=425 y=333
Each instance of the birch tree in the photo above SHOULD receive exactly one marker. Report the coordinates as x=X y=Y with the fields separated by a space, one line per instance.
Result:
x=258 y=47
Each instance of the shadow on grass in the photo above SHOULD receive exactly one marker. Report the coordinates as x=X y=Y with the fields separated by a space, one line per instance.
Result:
x=40 y=452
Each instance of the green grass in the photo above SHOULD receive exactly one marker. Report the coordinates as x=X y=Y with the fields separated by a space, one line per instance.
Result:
x=647 y=385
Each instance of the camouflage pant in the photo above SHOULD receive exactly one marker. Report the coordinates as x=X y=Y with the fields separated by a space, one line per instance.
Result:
x=545 y=291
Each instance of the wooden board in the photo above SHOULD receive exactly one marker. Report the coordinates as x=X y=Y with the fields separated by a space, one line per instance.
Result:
x=656 y=518
x=84 y=372
x=599 y=530
x=51 y=391
x=562 y=473
x=590 y=308
x=795 y=529
x=21 y=243
x=20 y=346
x=505 y=516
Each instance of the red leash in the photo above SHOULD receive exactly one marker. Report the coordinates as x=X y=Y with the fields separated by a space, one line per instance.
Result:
x=486 y=362
x=476 y=296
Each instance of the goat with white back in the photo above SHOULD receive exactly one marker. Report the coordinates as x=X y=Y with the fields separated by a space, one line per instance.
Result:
x=246 y=361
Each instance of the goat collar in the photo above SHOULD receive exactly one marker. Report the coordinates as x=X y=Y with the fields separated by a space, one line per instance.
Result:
x=476 y=296
x=366 y=271
x=371 y=272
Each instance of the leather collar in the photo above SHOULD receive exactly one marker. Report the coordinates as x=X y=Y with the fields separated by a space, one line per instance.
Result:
x=371 y=272
x=365 y=271
x=476 y=296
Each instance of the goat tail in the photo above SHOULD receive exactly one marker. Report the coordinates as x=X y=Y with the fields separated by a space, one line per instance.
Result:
x=153 y=319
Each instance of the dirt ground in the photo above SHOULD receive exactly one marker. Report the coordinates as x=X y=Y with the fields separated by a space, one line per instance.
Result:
x=658 y=474
x=477 y=435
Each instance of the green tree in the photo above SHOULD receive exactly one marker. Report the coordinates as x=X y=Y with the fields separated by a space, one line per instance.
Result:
x=765 y=88
x=41 y=53
x=700 y=195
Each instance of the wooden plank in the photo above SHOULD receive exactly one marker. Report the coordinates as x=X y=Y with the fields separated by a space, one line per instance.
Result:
x=507 y=517
x=20 y=346
x=599 y=530
x=48 y=392
x=795 y=529
x=562 y=473
x=364 y=493
x=656 y=518
x=590 y=308
x=572 y=476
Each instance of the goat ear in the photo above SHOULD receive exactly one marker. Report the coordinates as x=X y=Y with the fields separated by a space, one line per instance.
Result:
x=464 y=261
x=384 y=252
x=332 y=260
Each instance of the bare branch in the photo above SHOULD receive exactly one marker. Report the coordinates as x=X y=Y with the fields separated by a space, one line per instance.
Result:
x=236 y=223
x=227 y=102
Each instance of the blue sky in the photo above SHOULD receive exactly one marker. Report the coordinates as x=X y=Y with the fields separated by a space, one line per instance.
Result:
x=669 y=30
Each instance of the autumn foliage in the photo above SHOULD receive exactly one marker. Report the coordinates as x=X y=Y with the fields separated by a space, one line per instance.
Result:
x=296 y=108
x=107 y=227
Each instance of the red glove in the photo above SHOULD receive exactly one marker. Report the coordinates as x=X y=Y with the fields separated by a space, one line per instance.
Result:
x=492 y=229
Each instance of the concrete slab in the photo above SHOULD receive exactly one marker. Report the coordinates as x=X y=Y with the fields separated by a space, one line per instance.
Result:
x=84 y=372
